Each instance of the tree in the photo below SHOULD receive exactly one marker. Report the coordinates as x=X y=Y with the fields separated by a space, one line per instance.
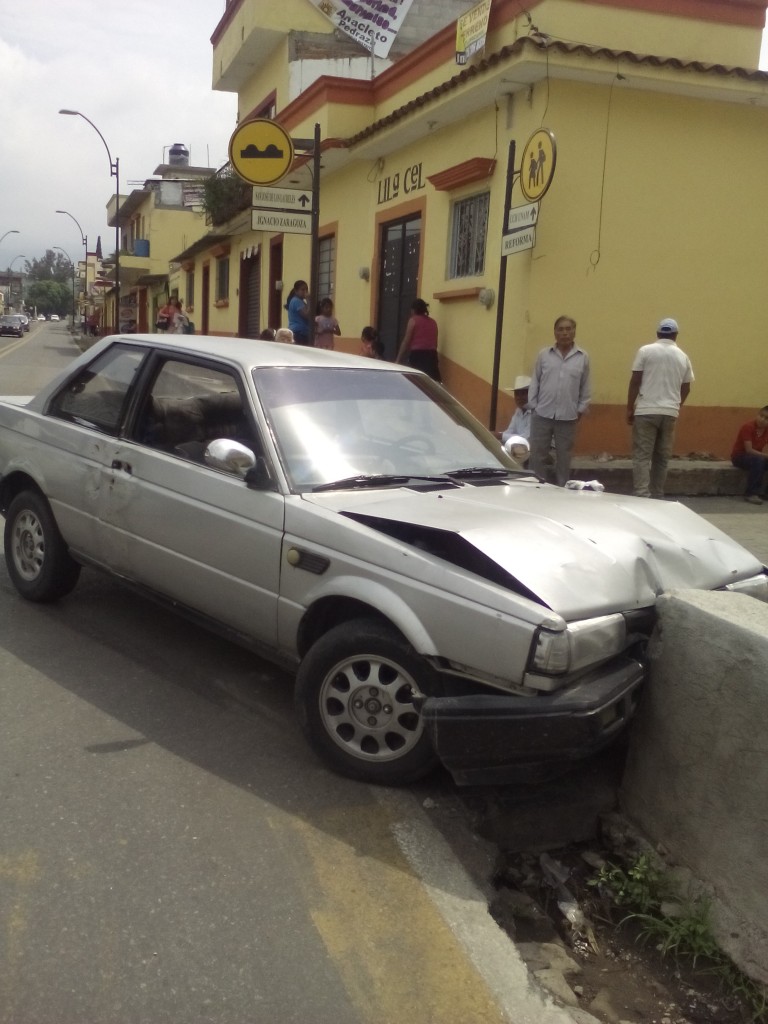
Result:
x=50 y=296
x=54 y=266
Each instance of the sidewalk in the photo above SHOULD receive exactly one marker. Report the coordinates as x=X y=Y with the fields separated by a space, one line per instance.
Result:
x=747 y=524
x=686 y=476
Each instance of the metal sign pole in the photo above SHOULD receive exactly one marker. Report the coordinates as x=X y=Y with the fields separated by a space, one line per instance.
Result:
x=314 y=283
x=501 y=291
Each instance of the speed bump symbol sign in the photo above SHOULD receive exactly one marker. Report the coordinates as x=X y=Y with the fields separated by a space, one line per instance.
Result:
x=537 y=167
x=261 y=151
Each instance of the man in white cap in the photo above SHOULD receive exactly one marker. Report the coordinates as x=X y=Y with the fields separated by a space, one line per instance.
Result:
x=520 y=424
x=661 y=381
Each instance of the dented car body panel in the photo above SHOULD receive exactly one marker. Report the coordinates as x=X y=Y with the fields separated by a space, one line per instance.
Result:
x=351 y=492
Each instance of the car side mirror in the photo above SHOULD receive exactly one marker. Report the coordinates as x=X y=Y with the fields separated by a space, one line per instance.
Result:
x=231 y=456
x=259 y=477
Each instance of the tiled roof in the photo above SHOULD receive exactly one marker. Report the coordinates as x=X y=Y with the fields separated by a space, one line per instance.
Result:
x=545 y=44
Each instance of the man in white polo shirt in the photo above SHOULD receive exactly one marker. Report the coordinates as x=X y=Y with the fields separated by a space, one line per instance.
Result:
x=660 y=383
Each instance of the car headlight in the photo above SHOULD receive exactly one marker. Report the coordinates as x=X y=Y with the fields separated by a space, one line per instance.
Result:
x=755 y=586
x=583 y=643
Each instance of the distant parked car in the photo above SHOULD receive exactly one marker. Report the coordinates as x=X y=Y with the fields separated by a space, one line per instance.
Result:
x=54 y=316
x=11 y=326
x=41 y=316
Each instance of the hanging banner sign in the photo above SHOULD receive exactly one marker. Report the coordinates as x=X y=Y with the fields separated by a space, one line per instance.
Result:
x=373 y=23
x=471 y=29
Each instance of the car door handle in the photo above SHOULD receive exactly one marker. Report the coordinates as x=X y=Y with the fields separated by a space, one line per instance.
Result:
x=126 y=467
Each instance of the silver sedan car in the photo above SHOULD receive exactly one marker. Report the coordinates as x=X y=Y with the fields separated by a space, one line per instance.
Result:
x=347 y=518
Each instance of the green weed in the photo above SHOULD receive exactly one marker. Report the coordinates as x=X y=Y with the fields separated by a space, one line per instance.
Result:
x=682 y=930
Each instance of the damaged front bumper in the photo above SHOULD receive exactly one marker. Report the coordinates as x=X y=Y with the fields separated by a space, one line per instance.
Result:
x=484 y=739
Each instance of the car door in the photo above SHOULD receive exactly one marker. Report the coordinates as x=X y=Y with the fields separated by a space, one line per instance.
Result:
x=195 y=534
x=73 y=441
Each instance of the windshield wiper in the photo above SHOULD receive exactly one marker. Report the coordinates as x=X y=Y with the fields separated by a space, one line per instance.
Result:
x=470 y=471
x=362 y=480
x=377 y=480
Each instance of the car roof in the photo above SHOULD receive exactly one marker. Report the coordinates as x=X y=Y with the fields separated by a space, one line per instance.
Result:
x=249 y=352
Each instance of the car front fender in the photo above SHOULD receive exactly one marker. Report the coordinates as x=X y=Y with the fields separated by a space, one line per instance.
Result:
x=377 y=597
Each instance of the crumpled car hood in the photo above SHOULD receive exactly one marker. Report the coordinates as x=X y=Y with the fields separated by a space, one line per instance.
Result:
x=581 y=553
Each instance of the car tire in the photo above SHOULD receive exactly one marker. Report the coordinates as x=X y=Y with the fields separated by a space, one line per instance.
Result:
x=39 y=564
x=354 y=699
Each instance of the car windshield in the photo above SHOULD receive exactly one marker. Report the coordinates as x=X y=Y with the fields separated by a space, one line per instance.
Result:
x=353 y=427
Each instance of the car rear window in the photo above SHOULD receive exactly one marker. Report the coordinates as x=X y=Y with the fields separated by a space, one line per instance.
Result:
x=96 y=396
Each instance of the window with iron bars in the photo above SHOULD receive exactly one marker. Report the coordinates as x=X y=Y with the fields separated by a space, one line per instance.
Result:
x=470 y=230
x=222 y=278
x=326 y=267
x=190 y=300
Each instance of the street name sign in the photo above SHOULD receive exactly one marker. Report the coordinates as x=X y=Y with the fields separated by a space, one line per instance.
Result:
x=518 y=241
x=287 y=221
x=282 y=198
x=519 y=217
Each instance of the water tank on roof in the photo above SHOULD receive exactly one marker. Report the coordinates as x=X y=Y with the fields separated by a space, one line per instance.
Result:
x=178 y=155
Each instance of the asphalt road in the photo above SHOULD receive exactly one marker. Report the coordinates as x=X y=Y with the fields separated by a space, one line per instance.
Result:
x=172 y=852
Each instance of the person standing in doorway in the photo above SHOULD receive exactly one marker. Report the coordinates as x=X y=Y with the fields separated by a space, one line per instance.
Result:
x=419 y=345
x=298 y=312
x=558 y=396
x=660 y=383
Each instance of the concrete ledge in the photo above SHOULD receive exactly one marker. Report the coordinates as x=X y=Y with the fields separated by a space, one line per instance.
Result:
x=686 y=476
x=697 y=771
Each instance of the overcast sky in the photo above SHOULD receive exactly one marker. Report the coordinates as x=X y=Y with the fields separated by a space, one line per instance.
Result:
x=141 y=71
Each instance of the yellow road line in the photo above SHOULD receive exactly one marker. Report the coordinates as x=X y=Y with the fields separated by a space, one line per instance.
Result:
x=16 y=345
x=398 y=958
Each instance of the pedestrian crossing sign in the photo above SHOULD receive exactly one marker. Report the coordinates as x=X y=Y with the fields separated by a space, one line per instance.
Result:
x=537 y=167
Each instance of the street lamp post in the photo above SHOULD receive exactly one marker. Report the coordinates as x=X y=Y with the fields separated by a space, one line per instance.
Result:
x=21 y=256
x=13 y=231
x=72 y=265
x=85 y=245
x=114 y=170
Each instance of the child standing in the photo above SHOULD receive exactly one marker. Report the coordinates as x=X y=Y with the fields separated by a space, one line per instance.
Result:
x=326 y=324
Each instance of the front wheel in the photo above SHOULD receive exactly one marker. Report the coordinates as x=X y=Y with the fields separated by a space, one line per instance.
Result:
x=355 y=700
x=39 y=564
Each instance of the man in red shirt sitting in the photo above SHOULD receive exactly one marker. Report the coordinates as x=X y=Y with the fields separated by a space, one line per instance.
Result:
x=750 y=452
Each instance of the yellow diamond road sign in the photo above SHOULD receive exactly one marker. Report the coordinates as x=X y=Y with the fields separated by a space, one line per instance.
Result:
x=261 y=151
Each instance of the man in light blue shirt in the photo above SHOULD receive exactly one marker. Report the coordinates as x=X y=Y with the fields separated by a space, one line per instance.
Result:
x=559 y=396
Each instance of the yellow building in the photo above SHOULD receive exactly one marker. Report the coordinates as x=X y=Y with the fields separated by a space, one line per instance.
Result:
x=658 y=129
x=155 y=221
